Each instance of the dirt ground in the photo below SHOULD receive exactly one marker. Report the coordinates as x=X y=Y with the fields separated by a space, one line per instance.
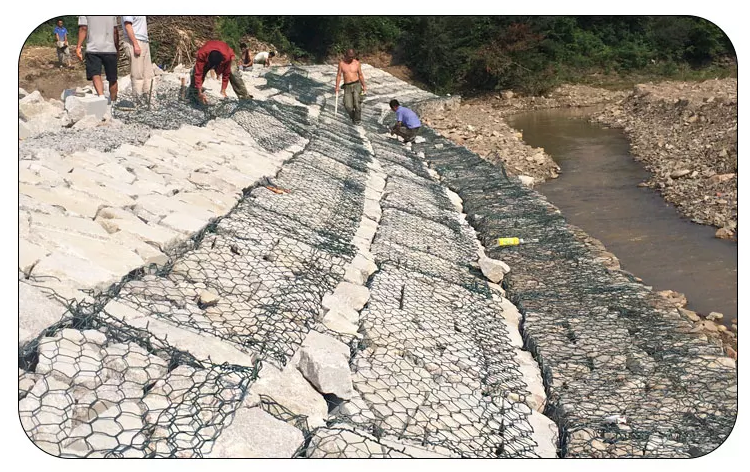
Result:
x=38 y=69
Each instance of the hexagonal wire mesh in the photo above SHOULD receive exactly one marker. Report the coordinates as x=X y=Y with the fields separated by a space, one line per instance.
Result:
x=624 y=374
x=92 y=386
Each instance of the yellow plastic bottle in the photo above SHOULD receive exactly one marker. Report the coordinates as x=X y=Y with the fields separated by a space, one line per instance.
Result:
x=509 y=241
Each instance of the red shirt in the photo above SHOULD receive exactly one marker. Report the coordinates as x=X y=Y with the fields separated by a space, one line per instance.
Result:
x=201 y=62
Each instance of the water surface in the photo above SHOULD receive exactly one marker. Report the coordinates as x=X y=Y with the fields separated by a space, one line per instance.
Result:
x=597 y=191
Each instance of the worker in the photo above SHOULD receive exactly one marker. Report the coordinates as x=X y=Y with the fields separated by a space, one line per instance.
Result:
x=139 y=52
x=407 y=123
x=218 y=56
x=61 y=41
x=102 y=40
x=264 y=58
x=354 y=85
x=246 y=60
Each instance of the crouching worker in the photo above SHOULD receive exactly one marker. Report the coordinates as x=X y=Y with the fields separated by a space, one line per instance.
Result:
x=407 y=123
x=219 y=57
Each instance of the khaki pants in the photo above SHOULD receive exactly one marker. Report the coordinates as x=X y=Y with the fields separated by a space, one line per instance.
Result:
x=141 y=69
x=235 y=80
x=406 y=133
x=353 y=101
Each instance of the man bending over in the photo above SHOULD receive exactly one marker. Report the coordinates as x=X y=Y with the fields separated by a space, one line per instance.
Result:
x=218 y=56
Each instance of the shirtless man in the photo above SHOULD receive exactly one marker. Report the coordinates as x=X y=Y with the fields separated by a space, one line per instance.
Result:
x=354 y=85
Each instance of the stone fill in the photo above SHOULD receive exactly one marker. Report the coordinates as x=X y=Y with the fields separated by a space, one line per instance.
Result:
x=271 y=281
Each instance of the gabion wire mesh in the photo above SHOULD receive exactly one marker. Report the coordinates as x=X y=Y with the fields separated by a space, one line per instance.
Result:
x=434 y=369
x=91 y=386
x=625 y=376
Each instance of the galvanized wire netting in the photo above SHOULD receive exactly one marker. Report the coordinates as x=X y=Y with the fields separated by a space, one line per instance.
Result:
x=434 y=372
x=625 y=376
x=434 y=367
x=92 y=386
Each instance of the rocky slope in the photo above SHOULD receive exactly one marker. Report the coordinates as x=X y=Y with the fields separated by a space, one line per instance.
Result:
x=477 y=124
x=686 y=135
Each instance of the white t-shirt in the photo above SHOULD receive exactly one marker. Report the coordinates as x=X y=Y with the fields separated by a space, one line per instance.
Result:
x=139 y=27
x=261 y=57
x=100 y=34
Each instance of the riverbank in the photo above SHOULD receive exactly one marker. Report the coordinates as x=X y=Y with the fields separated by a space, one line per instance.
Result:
x=685 y=134
x=479 y=124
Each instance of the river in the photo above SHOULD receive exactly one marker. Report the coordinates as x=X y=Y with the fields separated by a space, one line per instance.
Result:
x=597 y=191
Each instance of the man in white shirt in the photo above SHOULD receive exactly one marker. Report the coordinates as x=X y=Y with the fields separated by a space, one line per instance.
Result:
x=102 y=40
x=264 y=58
x=137 y=47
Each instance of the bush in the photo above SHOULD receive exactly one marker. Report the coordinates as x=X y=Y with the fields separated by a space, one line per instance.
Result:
x=43 y=34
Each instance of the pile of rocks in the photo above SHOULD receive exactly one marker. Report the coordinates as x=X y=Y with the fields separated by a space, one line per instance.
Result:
x=686 y=135
x=473 y=126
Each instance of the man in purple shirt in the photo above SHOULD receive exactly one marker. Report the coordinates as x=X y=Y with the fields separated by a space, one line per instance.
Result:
x=407 y=123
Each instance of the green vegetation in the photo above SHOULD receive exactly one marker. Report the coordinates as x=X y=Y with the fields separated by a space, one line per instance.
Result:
x=43 y=35
x=530 y=54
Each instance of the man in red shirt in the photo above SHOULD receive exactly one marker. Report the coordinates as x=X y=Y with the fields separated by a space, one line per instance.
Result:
x=216 y=55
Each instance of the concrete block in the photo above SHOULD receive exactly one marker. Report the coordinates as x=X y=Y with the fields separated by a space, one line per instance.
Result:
x=78 y=107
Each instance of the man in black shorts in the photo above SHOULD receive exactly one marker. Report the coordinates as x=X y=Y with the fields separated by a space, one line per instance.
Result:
x=102 y=41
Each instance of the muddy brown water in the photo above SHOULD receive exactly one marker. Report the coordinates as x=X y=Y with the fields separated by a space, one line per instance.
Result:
x=597 y=191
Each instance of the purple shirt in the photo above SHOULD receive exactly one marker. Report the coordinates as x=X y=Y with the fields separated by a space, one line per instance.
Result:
x=407 y=118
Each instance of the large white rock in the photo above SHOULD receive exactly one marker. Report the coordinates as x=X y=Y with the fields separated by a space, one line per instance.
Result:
x=159 y=235
x=545 y=435
x=254 y=433
x=79 y=107
x=120 y=425
x=455 y=200
x=290 y=389
x=23 y=130
x=203 y=346
x=36 y=312
x=33 y=97
x=344 y=321
x=35 y=110
x=347 y=295
x=73 y=202
x=529 y=369
x=493 y=269
x=184 y=223
x=29 y=254
x=360 y=269
x=324 y=361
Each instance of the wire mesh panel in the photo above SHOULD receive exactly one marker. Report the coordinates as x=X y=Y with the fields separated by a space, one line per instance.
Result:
x=91 y=386
x=625 y=376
